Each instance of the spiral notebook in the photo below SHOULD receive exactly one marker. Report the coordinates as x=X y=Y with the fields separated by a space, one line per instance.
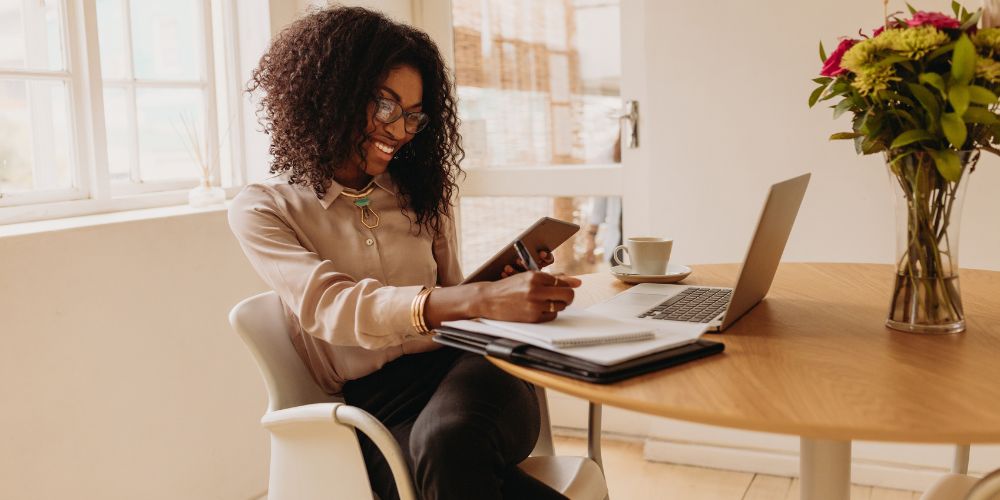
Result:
x=574 y=328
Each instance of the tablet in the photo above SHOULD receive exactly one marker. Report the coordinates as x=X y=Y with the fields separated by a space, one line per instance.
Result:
x=545 y=234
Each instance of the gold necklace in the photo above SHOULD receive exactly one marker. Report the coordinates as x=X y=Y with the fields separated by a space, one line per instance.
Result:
x=362 y=201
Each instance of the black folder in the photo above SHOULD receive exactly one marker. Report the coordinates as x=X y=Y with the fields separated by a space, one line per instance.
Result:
x=528 y=355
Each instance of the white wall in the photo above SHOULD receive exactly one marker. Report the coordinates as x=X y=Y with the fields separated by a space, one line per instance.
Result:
x=724 y=115
x=722 y=89
x=119 y=375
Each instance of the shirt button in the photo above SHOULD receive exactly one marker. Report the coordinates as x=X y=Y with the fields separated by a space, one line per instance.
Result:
x=369 y=242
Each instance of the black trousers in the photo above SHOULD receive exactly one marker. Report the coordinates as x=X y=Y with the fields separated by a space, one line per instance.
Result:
x=462 y=423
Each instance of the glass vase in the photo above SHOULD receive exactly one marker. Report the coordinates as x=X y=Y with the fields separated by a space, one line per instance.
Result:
x=926 y=296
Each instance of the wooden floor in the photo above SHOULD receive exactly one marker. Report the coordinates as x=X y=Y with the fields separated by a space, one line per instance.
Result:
x=632 y=477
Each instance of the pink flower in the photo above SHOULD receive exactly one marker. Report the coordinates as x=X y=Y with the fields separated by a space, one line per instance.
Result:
x=893 y=24
x=936 y=19
x=832 y=65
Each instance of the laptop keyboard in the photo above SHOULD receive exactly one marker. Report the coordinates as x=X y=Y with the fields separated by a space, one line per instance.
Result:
x=694 y=304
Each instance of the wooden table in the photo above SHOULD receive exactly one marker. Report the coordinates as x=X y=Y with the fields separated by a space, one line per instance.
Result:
x=814 y=359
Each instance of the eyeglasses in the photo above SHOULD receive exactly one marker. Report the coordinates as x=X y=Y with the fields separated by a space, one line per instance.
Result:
x=388 y=111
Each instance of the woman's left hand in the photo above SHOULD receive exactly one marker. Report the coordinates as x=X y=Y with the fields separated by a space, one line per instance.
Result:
x=545 y=258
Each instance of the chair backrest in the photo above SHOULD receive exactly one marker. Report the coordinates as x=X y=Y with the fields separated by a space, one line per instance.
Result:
x=260 y=322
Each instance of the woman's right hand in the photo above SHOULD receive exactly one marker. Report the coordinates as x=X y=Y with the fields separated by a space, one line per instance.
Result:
x=528 y=297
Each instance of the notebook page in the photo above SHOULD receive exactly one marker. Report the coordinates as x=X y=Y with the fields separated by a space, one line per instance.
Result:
x=577 y=327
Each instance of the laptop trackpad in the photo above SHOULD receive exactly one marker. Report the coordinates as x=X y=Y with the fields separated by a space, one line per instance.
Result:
x=628 y=303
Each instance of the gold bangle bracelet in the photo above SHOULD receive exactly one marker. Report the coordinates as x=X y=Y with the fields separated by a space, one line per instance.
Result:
x=417 y=319
x=421 y=320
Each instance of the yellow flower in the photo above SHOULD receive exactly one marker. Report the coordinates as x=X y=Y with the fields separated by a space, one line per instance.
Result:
x=988 y=69
x=874 y=78
x=863 y=54
x=913 y=43
x=987 y=40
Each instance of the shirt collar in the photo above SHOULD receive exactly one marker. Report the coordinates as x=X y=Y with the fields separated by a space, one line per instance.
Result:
x=383 y=181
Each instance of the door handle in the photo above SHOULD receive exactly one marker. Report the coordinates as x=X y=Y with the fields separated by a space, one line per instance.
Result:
x=630 y=123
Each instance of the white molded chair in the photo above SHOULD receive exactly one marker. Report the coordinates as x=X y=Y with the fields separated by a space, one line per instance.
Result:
x=962 y=487
x=959 y=486
x=314 y=449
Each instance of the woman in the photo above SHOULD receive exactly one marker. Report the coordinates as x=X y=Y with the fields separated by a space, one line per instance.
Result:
x=355 y=234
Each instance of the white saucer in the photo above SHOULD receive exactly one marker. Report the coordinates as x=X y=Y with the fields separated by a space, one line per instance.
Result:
x=675 y=273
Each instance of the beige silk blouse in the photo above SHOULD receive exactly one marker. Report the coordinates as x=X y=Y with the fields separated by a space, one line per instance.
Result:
x=346 y=289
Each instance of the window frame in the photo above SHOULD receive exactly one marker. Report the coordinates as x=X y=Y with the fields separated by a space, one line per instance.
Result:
x=553 y=179
x=94 y=191
x=70 y=79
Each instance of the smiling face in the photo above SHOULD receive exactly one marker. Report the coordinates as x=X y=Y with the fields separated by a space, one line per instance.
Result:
x=403 y=86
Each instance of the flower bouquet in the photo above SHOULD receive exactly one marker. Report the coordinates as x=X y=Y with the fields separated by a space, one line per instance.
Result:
x=923 y=92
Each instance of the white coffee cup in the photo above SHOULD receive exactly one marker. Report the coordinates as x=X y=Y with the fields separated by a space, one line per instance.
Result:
x=646 y=255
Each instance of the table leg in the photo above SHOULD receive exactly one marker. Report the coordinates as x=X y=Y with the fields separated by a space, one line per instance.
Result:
x=825 y=469
x=961 y=463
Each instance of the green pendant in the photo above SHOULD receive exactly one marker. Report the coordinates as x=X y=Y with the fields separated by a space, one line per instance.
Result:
x=362 y=202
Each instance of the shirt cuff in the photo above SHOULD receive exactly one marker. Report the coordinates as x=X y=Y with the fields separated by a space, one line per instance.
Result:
x=399 y=308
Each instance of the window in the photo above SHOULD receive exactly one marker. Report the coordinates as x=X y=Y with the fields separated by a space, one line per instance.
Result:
x=538 y=87
x=37 y=151
x=537 y=81
x=488 y=222
x=148 y=119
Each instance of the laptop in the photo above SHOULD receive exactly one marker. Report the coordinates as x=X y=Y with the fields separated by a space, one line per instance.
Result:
x=720 y=307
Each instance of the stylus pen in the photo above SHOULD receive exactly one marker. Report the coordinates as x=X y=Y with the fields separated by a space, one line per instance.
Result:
x=525 y=256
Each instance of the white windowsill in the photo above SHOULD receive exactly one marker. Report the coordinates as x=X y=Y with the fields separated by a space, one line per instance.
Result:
x=43 y=226
x=27 y=219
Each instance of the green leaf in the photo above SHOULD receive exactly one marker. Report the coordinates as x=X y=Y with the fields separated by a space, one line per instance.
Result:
x=845 y=135
x=871 y=145
x=944 y=49
x=887 y=61
x=815 y=95
x=963 y=61
x=982 y=95
x=954 y=129
x=889 y=95
x=972 y=20
x=958 y=96
x=934 y=80
x=841 y=107
x=822 y=52
x=948 y=164
x=927 y=100
x=909 y=137
x=984 y=116
x=823 y=80
x=904 y=115
x=873 y=123
x=912 y=10
x=955 y=7
x=896 y=159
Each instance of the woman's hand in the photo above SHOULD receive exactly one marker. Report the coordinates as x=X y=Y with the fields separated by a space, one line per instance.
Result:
x=527 y=297
x=545 y=258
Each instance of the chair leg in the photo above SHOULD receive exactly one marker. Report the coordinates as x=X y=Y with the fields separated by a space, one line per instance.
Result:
x=544 y=446
x=594 y=435
x=594 y=438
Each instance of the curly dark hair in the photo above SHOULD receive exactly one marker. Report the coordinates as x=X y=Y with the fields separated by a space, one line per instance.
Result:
x=318 y=78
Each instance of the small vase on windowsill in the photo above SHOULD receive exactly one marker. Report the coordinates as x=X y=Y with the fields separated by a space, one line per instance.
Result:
x=206 y=195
